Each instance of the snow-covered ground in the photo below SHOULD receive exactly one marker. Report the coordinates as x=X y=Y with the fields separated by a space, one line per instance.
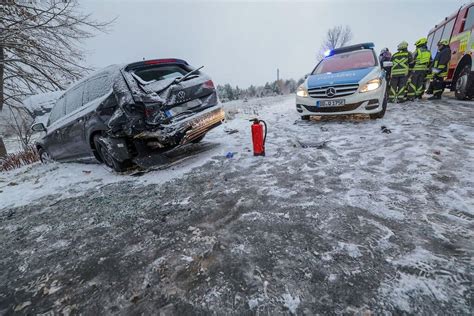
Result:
x=343 y=215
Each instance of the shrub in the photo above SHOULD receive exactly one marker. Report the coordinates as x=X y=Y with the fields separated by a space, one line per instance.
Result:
x=21 y=158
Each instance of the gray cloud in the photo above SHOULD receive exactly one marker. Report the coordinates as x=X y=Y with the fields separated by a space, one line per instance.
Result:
x=244 y=42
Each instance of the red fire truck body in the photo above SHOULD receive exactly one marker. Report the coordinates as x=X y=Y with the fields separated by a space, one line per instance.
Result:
x=458 y=29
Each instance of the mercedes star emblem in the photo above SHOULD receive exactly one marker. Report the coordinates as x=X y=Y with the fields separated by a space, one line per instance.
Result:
x=330 y=92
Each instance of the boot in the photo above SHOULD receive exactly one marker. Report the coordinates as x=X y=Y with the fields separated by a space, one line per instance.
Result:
x=435 y=97
x=430 y=89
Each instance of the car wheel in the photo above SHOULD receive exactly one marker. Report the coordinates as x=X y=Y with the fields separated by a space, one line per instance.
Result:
x=464 y=84
x=198 y=140
x=305 y=117
x=107 y=158
x=44 y=156
x=381 y=113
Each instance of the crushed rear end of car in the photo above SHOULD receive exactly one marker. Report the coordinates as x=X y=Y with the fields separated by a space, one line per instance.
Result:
x=163 y=103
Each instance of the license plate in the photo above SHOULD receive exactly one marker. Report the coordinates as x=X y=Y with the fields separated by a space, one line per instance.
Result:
x=329 y=103
x=184 y=107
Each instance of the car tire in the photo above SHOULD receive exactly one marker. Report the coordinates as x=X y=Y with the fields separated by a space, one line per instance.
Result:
x=44 y=156
x=464 y=84
x=104 y=153
x=305 y=117
x=384 y=108
x=198 y=140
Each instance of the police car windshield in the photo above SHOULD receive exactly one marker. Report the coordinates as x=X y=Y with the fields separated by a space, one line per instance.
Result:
x=346 y=61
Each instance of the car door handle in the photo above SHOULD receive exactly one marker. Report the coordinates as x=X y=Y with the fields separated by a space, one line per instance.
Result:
x=79 y=120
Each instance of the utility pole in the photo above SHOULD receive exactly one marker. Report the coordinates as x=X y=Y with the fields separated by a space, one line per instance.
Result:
x=278 y=74
x=3 y=149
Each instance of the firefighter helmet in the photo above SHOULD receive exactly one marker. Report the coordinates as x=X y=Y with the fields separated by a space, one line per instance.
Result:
x=443 y=42
x=402 y=45
x=422 y=41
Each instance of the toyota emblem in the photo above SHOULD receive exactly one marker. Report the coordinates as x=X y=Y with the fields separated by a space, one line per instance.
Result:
x=330 y=92
x=181 y=95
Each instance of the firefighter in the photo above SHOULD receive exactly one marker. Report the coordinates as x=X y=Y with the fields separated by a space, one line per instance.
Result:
x=419 y=69
x=401 y=61
x=440 y=69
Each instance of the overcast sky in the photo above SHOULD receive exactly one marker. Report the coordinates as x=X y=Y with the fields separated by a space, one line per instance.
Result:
x=244 y=42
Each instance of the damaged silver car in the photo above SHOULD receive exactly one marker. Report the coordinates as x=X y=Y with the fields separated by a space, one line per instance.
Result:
x=125 y=112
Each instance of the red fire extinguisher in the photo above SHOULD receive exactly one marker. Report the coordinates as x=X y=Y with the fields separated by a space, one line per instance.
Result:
x=258 y=137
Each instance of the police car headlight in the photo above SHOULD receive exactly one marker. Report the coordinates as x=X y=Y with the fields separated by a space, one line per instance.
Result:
x=302 y=92
x=371 y=85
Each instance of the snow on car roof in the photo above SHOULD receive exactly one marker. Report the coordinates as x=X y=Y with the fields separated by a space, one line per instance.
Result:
x=47 y=100
x=41 y=100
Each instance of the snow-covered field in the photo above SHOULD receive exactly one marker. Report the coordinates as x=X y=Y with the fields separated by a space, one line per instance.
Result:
x=343 y=215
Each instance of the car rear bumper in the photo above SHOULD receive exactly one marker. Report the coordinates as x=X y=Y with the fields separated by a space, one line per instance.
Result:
x=198 y=127
x=185 y=130
x=358 y=103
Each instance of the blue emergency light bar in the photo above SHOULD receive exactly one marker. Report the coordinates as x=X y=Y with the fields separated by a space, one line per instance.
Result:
x=349 y=49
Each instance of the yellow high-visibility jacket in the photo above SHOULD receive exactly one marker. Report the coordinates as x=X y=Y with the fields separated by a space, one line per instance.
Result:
x=401 y=63
x=421 y=59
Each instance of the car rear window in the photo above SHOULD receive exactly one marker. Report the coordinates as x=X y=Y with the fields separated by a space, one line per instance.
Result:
x=161 y=72
x=346 y=61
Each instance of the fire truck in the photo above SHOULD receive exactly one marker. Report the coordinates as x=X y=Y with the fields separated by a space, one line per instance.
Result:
x=458 y=29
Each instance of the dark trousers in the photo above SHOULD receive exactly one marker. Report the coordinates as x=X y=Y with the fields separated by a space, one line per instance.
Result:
x=438 y=86
x=388 y=72
x=416 y=86
x=398 y=89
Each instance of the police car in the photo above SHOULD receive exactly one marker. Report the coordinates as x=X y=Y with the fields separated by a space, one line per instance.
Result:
x=349 y=80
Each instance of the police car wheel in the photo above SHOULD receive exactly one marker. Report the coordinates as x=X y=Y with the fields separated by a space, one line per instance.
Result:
x=381 y=113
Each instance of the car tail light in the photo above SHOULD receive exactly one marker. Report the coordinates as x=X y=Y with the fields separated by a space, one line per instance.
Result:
x=150 y=110
x=209 y=84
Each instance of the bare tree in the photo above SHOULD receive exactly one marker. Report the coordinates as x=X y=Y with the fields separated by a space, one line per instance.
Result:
x=337 y=36
x=19 y=121
x=40 y=47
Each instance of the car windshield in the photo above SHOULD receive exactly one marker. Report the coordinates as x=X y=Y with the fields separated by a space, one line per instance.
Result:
x=346 y=61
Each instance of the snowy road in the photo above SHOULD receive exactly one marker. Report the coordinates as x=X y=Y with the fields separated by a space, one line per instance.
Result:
x=339 y=217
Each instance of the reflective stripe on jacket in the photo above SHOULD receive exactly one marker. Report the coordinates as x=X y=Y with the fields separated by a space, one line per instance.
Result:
x=401 y=61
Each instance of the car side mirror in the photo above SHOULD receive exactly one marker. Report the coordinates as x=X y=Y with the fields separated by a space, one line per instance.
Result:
x=387 y=64
x=38 y=127
x=306 y=76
